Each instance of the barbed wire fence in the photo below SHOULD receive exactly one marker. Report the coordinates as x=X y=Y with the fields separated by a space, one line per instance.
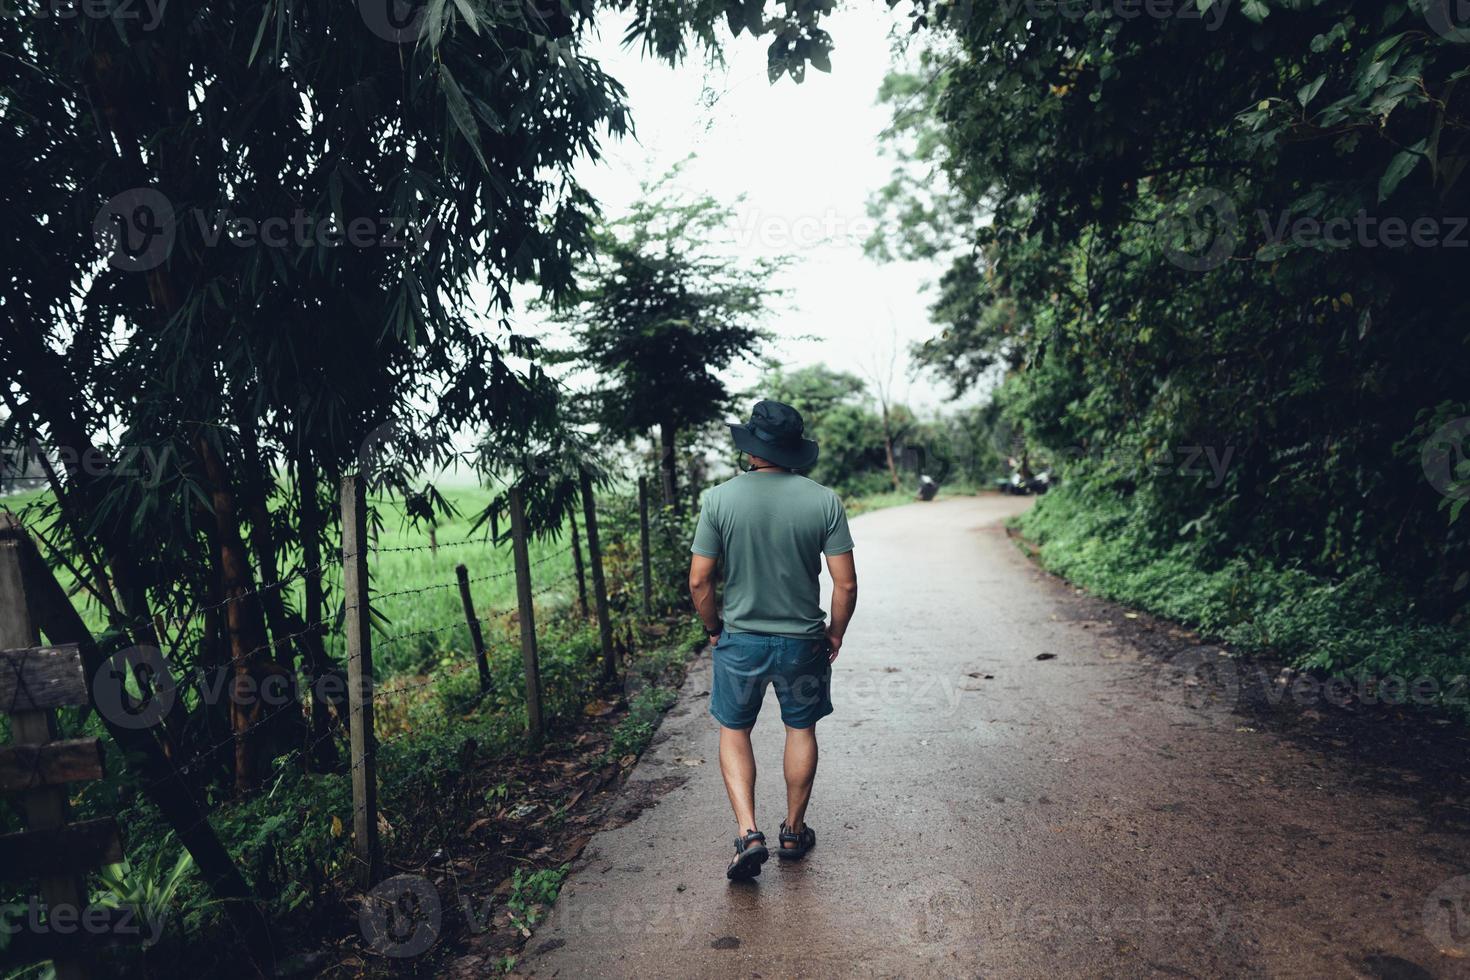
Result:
x=256 y=716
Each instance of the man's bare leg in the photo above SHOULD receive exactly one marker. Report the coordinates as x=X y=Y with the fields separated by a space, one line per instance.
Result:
x=737 y=765
x=801 y=770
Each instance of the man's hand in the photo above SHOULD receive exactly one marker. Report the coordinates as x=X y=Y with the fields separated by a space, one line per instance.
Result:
x=834 y=644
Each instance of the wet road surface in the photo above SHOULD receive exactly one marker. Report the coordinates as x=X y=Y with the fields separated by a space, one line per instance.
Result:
x=984 y=809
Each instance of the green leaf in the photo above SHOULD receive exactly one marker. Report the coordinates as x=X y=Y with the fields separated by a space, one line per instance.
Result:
x=821 y=60
x=467 y=11
x=1255 y=10
x=1308 y=91
x=460 y=112
x=1399 y=167
x=265 y=18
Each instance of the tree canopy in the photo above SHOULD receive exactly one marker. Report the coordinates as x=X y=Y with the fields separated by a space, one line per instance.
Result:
x=661 y=311
x=1200 y=232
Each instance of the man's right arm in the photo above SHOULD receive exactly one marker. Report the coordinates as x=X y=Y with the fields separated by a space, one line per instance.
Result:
x=844 y=599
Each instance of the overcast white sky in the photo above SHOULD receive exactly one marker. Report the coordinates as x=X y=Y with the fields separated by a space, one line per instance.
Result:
x=805 y=157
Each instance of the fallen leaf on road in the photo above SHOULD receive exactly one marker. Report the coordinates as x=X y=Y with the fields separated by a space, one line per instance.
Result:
x=1130 y=615
x=688 y=762
x=598 y=709
x=1046 y=656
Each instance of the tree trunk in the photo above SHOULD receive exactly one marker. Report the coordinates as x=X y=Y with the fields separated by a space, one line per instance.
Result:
x=243 y=620
x=323 y=755
x=888 y=447
x=668 y=435
x=578 y=567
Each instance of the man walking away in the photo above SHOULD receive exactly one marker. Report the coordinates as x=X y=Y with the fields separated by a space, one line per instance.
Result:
x=772 y=526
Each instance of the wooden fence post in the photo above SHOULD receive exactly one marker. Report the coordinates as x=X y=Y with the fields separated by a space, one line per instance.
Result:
x=46 y=806
x=473 y=622
x=643 y=545
x=527 y=612
x=160 y=778
x=599 y=585
x=582 y=607
x=360 y=681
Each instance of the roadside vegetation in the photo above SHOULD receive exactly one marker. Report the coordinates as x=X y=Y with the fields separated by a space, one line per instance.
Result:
x=1259 y=431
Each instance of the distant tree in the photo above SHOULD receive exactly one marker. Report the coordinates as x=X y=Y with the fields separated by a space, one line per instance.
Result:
x=661 y=310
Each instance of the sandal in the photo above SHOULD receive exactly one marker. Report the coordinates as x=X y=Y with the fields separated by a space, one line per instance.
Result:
x=750 y=854
x=804 y=840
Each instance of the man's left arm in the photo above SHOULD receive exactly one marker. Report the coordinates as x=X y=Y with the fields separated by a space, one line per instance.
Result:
x=702 y=591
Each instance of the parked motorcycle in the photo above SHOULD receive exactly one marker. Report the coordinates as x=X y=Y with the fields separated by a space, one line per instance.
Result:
x=1021 y=486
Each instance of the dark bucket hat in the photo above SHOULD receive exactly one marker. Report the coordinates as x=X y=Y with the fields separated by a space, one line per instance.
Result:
x=774 y=432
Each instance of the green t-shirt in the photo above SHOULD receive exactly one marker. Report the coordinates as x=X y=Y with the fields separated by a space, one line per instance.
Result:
x=772 y=528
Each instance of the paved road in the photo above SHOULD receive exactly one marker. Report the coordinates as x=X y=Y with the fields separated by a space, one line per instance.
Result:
x=981 y=811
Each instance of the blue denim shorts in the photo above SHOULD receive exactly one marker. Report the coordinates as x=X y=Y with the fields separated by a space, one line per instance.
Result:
x=746 y=662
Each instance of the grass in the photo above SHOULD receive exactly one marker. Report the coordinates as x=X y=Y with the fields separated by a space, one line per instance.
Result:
x=492 y=583
x=1360 y=626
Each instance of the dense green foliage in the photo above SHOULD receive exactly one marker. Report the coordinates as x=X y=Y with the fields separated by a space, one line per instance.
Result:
x=1183 y=241
x=1363 y=626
